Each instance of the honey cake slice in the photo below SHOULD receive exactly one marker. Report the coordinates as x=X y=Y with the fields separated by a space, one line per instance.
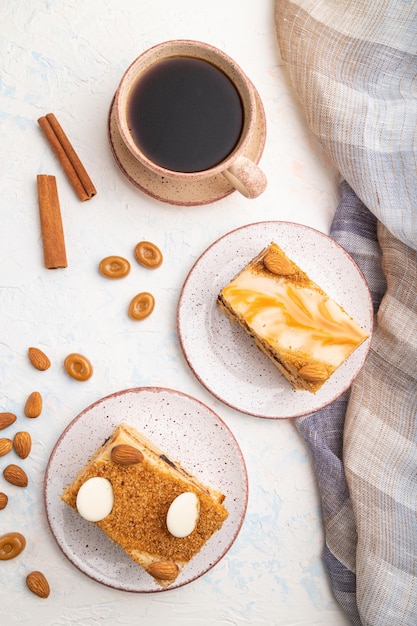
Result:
x=145 y=483
x=303 y=331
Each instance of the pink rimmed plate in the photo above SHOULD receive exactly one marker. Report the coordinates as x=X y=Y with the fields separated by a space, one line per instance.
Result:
x=225 y=360
x=183 y=427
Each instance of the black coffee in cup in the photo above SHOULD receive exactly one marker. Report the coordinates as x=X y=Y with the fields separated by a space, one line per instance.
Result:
x=185 y=114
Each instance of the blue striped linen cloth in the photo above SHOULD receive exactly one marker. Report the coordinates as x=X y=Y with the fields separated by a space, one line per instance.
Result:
x=353 y=66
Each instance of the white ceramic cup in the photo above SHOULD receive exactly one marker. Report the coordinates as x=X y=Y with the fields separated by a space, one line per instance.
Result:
x=241 y=172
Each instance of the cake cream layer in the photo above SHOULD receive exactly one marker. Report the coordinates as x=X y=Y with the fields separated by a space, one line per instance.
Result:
x=307 y=334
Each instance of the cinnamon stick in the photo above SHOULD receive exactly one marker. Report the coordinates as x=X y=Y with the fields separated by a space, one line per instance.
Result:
x=66 y=155
x=51 y=223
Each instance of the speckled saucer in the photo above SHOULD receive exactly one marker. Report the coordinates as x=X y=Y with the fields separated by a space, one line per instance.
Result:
x=225 y=359
x=188 y=431
x=190 y=193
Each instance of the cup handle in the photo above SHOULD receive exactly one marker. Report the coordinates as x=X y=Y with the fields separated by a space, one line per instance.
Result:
x=246 y=177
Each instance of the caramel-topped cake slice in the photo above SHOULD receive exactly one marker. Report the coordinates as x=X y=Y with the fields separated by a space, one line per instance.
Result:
x=305 y=333
x=156 y=510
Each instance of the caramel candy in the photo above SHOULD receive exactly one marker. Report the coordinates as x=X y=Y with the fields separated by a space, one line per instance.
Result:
x=141 y=306
x=11 y=545
x=78 y=366
x=114 y=267
x=148 y=254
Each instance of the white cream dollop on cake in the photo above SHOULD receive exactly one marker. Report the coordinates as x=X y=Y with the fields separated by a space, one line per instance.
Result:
x=183 y=514
x=95 y=499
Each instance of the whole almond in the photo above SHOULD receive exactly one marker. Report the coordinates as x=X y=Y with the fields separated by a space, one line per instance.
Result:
x=5 y=445
x=15 y=475
x=6 y=419
x=163 y=570
x=39 y=359
x=37 y=583
x=278 y=263
x=123 y=454
x=33 y=406
x=22 y=443
x=3 y=500
x=315 y=373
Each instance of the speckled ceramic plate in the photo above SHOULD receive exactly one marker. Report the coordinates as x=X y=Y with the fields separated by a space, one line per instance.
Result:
x=224 y=358
x=186 y=430
x=194 y=192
